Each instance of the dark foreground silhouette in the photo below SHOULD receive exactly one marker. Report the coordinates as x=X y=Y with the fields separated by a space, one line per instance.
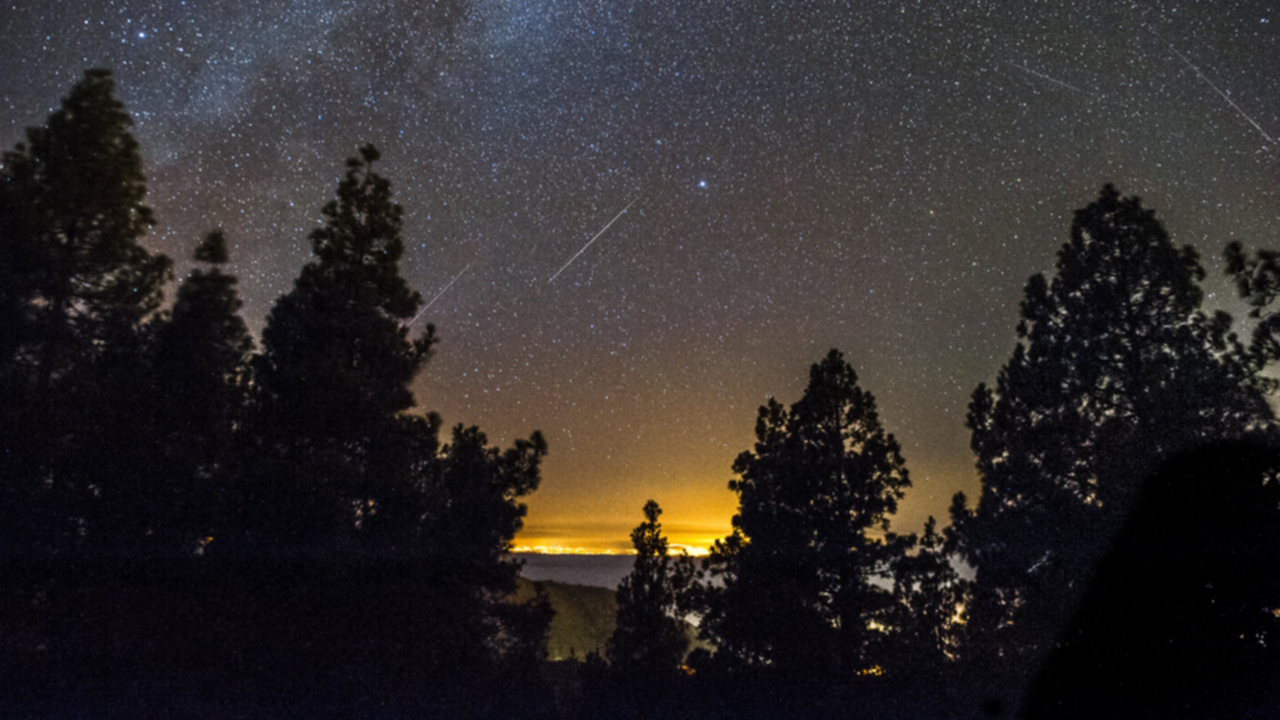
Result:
x=1181 y=618
x=262 y=638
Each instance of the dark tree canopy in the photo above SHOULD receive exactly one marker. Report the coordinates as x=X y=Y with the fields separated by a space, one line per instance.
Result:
x=204 y=342
x=335 y=369
x=925 y=619
x=200 y=360
x=814 y=494
x=1180 y=620
x=479 y=488
x=72 y=204
x=177 y=514
x=341 y=327
x=649 y=641
x=1116 y=368
x=77 y=286
x=1257 y=279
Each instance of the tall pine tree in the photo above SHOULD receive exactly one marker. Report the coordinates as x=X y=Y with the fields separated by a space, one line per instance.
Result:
x=925 y=619
x=815 y=495
x=335 y=371
x=1116 y=368
x=649 y=642
x=77 y=286
x=200 y=361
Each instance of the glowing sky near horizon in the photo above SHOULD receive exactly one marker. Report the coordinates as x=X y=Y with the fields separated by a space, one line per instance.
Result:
x=880 y=177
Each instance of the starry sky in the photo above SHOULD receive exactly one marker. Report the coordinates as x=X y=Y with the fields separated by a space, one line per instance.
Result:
x=879 y=177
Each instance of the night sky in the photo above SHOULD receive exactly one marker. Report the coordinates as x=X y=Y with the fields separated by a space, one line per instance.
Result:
x=879 y=177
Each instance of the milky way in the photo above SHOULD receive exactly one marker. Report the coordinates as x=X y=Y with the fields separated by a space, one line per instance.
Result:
x=877 y=177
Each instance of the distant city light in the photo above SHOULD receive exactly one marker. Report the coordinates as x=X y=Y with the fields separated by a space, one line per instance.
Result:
x=562 y=550
x=674 y=550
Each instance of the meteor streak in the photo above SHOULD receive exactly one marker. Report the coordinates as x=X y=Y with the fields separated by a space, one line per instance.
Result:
x=584 y=247
x=1046 y=77
x=1216 y=89
x=437 y=297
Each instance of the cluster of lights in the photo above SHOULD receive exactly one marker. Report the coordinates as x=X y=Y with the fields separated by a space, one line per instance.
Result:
x=692 y=550
x=562 y=550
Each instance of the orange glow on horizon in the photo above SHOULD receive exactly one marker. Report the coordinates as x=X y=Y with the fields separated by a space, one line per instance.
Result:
x=689 y=523
x=566 y=550
x=673 y=550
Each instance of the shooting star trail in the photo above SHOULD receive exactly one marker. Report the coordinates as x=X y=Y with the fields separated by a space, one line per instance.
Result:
x=1046 y=77
x=437 y=297
x=1216 y=89
x=597 y=236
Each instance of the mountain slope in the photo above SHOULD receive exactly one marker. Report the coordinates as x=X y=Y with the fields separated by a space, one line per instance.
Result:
x=584 y=620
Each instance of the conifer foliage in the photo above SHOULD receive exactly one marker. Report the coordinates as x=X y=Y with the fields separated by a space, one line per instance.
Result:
x=1257 y=279
x=202 y=350
x=1116 y=368
x=77 y=285
x=200 y=363
x=335 y=370
x=649 y=641
x=813 y=495
x=341 y=328
x=926 y=617
x=73 y=211
x=172 y=506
